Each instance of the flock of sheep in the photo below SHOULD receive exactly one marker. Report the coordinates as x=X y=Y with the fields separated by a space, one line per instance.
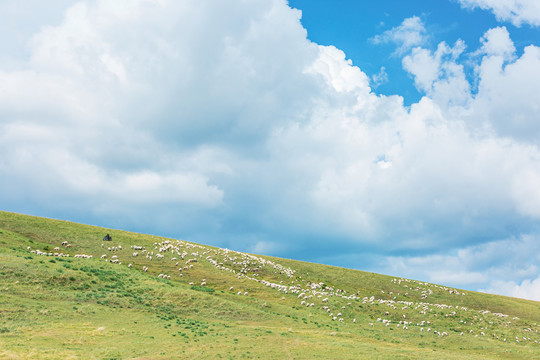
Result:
x=181 y=257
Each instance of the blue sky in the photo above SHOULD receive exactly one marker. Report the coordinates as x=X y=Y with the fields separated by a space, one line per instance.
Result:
x=394 y=137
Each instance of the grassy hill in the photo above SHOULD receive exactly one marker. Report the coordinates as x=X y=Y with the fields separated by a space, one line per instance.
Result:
x=197 y=301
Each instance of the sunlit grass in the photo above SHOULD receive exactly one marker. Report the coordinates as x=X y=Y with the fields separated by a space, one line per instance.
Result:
x=65 y=307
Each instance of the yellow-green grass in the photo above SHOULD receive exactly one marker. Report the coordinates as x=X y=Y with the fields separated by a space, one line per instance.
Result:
x=54 y=307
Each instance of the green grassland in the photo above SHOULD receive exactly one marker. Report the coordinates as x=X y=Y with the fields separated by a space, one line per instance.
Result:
x=221 y=304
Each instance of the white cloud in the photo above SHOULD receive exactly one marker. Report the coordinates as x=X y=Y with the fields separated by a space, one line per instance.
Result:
x=508 y=96
x=380 y=78
x=410 y=33
x=497 y=42
x=518 y=12
x=438 y=74
x=527 y=289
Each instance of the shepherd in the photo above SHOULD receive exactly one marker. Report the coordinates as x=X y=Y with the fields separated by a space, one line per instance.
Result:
x=107 y=238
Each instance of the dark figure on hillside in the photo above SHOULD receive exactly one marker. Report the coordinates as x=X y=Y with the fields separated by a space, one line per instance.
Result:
x=107 y=238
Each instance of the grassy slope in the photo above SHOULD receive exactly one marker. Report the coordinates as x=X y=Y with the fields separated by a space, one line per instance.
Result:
x=65 y=307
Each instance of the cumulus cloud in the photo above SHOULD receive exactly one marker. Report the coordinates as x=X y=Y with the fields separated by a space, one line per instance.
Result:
x=410 y=33
x=108 y=81
x=438 y=74
x=220 y=122
x=527 y=289
x=497 y=42
x=380 y=78
x=518 y=12
x=508 y=91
